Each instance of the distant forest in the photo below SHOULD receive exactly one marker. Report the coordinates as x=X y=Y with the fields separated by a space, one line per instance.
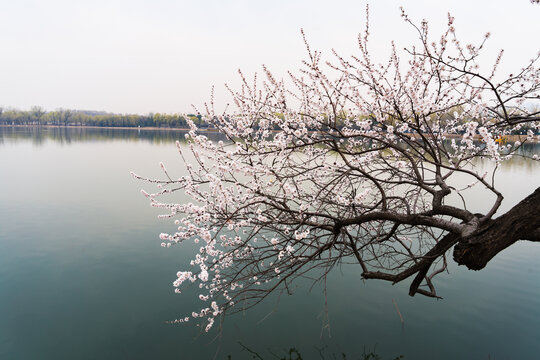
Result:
x=65 y=117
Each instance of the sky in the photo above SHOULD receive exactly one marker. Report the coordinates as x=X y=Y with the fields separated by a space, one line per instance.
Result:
x=134 y=56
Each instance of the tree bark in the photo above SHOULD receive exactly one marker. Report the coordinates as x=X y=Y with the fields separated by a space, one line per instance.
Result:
x=522 y=222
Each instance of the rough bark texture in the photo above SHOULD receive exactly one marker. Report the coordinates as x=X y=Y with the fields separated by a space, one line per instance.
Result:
x=522 y=222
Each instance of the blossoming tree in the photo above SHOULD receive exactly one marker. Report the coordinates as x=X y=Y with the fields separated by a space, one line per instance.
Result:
x=353 y=161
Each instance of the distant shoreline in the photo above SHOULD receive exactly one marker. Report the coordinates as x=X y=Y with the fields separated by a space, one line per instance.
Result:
x=101 y=127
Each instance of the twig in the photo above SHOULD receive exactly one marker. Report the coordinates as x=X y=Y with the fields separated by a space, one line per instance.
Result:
x=399 y=313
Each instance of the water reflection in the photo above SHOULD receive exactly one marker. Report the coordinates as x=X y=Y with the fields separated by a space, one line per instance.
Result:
x=83 y=276
x=38 y=135
x=66 y=135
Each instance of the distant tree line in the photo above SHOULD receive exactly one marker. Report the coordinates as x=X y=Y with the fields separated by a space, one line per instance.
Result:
x=66 y=117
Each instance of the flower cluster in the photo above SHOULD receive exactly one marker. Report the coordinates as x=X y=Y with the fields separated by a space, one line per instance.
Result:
x=355 y=169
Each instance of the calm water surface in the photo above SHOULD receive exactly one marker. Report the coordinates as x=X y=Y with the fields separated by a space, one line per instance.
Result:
x=82 y=274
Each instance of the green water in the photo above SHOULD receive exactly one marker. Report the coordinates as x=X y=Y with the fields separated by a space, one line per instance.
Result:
x=82 y=274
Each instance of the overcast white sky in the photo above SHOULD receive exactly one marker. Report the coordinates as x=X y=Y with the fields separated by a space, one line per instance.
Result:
x=135 y=56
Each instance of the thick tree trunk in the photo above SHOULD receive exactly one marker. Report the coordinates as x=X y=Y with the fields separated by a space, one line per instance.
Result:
x=522 y=222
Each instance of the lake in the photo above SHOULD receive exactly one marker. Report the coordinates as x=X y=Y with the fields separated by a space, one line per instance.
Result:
x=83 y=275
